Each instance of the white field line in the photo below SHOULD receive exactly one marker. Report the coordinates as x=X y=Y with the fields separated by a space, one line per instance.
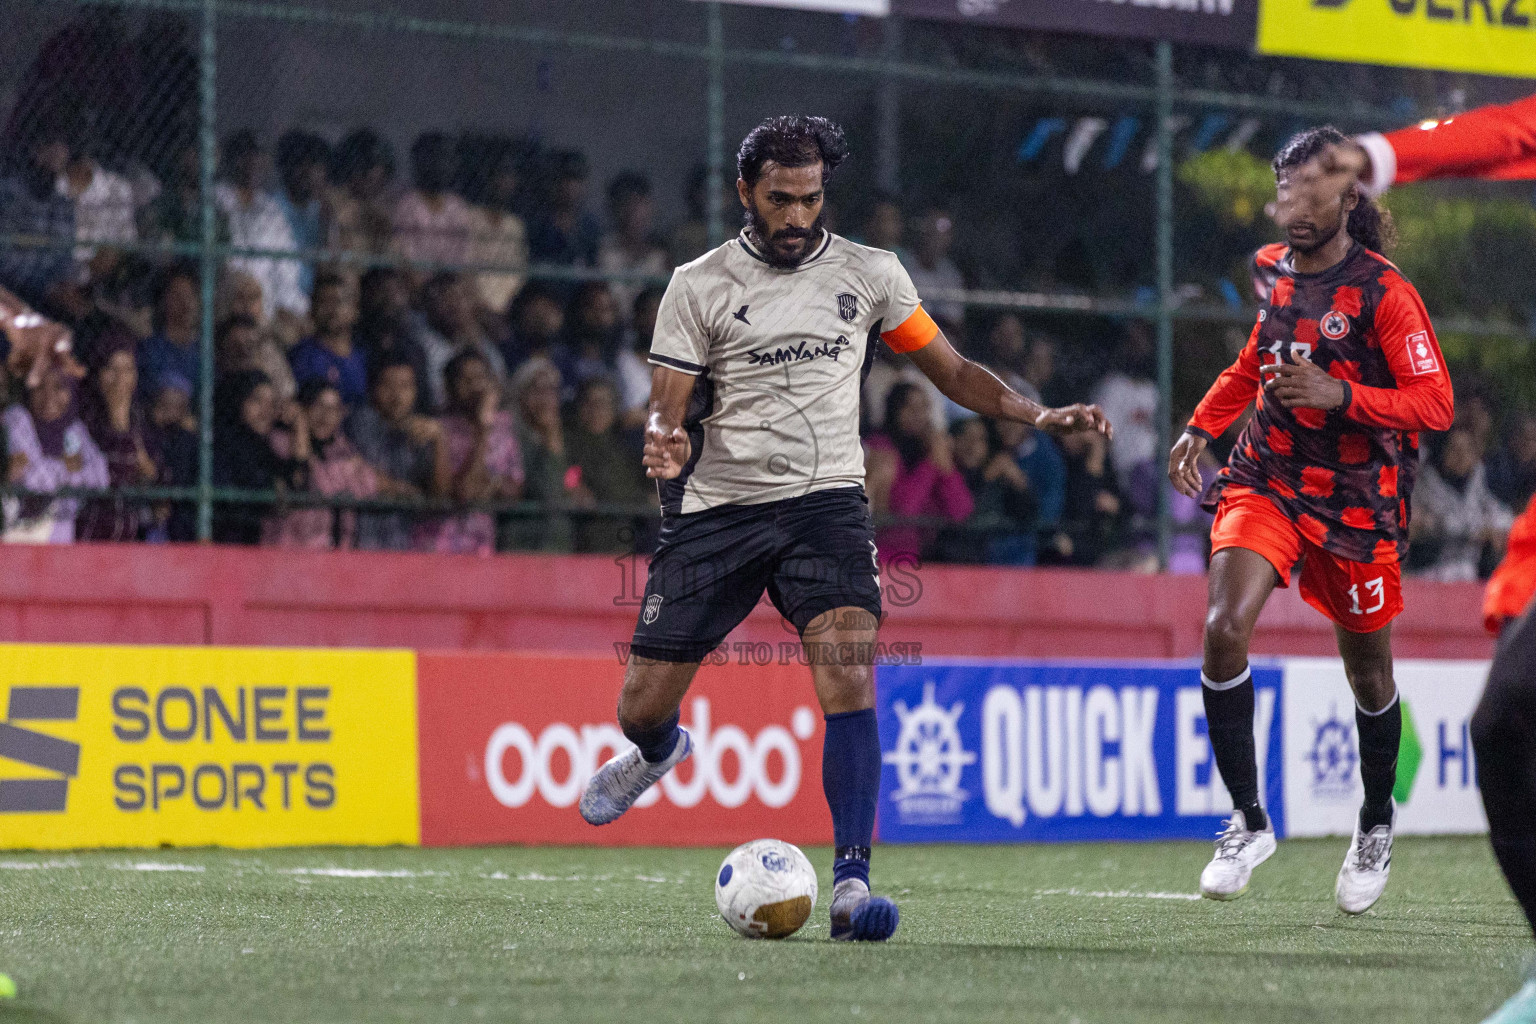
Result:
x=361 y=873
x=1122 y=894
x=151 y=865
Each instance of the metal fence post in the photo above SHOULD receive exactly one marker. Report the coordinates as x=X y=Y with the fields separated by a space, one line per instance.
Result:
x=888 y=110
x=207 y=154
x=714 y=211
x=1164 y=117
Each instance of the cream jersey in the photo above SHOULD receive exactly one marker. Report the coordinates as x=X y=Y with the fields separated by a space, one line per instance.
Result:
x=780 y=354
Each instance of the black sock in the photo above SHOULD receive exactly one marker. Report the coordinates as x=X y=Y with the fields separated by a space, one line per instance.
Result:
x=850 y=776
x=657 y=742
x=1380 y=736
x=1229 y=721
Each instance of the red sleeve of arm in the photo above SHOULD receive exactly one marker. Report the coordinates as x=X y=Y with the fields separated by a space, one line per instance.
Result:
x=1423 y=399
x=1230 y=395
x=1489 y=142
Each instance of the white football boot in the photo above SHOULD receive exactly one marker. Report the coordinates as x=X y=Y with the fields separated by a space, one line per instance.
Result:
x=1238 y=851
x=625 y=778
x=1364 y=874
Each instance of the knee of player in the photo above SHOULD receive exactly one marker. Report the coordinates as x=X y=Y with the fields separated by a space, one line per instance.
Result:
x=1225 y=632
x=1373 y=685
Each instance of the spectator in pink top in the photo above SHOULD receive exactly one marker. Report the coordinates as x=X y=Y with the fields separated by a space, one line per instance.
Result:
x=483 y=455
x=335 y=469
x=431 y=222
x=911 y=473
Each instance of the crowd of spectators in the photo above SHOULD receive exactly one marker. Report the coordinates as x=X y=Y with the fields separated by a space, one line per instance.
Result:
x=429 y=367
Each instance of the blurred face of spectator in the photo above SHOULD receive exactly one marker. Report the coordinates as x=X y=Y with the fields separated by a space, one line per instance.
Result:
x=1040 y=366
x=171 y=406
x=1523 y=444
x=884 y=228
x=469 y=386
x=179 y=305
x=259 y=410
x=433 y=167
x=1011 y=434
x=51 y=155
x=386 y=296
x=1460 y=455
x=335 y=309
x=1007 y=341
x=118 y=377
x=633 y=215
x=451 y=306
x=1474 y=413
x=935 y=236
x=971 y=444
x=370 y=181
x=238 y=348
x=569 y=193
x=248 y=168
x=325 y=414
x=50 y=400
x=245 y=296
x=304 y=180
x=394 y=395
x=915 y=417
x=597 y=313
x=501 y=189
x=540 y=318
x=598 y=409
x=539 y=400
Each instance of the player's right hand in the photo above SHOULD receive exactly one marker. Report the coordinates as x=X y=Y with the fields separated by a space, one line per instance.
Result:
x=666 y=452
x=1184 y=465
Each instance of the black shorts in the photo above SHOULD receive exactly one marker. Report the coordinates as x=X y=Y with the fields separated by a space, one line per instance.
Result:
x=811 y=553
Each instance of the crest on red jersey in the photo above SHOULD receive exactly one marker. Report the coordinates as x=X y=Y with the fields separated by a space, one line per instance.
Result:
x=1422 y=354
x=1334 y=325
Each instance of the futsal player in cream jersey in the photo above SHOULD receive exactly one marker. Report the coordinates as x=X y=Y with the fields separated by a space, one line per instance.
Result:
x=760 y=349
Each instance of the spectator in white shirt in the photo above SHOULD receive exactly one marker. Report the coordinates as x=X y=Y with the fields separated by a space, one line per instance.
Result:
x=1455 y=517
x=1128 y=396
x=431 y=222
x=104 y=210
x=930 y=266
x=632 y=370
x=630 y=245
x=256 y=221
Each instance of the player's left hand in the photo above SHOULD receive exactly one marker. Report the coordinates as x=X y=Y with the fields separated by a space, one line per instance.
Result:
x=1303 y=385
x=666 y=452
x=1071 y=419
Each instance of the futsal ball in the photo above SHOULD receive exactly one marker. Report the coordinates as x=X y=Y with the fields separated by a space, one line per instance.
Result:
x=766 y=889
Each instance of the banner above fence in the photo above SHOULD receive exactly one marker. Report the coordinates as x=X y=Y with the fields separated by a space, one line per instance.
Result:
x=877 y=8
x=1481 y=37
x=1207 y=22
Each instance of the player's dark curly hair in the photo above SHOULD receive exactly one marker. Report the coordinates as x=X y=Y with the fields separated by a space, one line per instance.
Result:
x=792 y=140
x=1369 y=224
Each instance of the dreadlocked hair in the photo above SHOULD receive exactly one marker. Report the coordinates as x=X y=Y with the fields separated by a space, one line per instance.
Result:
x=1369 y=223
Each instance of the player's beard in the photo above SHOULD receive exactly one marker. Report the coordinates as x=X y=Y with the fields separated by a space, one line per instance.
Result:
x=765 y=243
x=1319 y=241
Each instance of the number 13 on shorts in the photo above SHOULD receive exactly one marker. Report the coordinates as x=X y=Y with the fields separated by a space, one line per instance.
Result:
x=1375 y=589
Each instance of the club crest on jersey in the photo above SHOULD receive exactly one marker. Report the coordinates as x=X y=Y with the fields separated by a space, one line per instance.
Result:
x=1334 y=325
x=848 y=306
x=652 y=608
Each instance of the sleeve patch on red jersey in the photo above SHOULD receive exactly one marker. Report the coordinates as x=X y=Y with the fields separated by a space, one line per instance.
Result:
x=1421 y=354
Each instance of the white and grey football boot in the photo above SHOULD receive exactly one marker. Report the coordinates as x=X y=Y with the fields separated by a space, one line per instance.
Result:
x=1238 y=851
x=624 y=779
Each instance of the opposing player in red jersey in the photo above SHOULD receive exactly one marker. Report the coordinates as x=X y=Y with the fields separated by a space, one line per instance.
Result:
x=1345 y=370
x=1500 y=143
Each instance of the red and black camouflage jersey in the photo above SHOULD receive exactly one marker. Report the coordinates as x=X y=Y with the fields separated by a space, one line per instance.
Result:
x=1344 y=476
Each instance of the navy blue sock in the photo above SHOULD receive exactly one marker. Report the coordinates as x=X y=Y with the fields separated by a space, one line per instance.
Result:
x=657 y=742
x=850 y=776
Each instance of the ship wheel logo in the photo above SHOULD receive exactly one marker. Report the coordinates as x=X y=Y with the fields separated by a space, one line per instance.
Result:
x=929 y=757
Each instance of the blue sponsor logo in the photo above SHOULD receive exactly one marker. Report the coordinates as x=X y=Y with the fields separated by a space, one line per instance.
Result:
x=1333 y=758
x=1032 y=751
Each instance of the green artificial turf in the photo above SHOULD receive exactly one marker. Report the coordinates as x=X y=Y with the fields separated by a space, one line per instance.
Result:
x=989 y=933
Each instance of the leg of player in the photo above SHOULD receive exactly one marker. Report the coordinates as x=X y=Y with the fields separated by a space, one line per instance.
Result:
x=1240 y=582
x=839 y=644
x=1504 y=737
x=649 y=711
x=1379 y=720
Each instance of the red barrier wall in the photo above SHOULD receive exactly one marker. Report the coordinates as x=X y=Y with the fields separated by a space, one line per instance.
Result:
x=194 y=595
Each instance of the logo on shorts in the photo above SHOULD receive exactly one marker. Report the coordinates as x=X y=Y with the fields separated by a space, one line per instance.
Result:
x=652 y=609
x=1421 y=355
x=1334 y=325
x=848 y=306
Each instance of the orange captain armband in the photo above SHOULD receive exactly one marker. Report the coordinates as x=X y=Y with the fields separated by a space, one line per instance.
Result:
x=914 y=332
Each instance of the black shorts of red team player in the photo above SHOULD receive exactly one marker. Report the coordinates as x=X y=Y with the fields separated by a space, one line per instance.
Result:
x=811 y=553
